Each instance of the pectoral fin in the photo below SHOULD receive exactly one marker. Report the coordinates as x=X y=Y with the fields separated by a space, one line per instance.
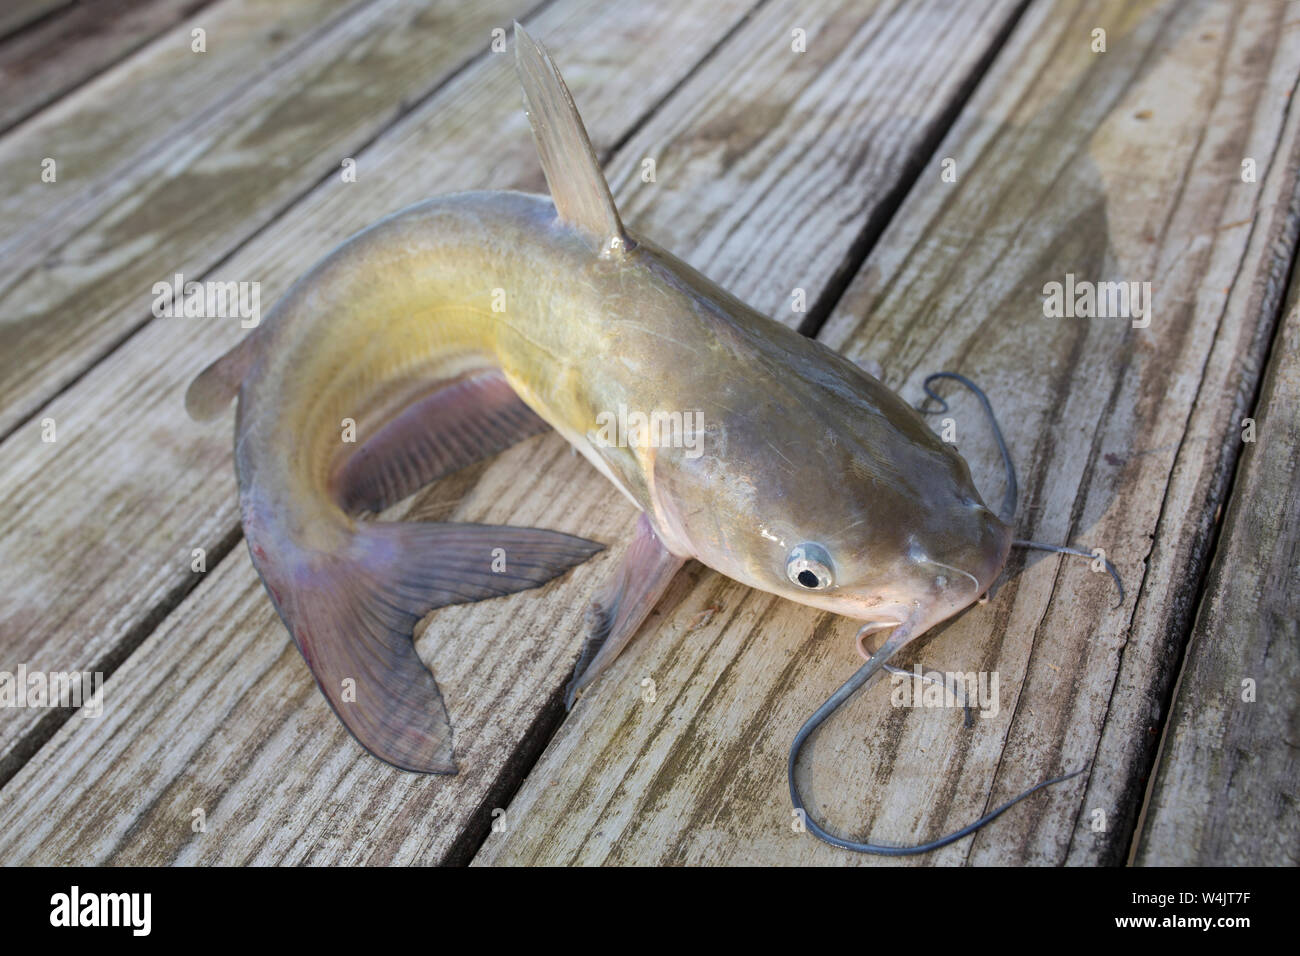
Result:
x=577 y=185
x=631 y=594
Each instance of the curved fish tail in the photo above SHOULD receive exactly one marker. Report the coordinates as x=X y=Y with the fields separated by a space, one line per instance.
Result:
x=352 y=614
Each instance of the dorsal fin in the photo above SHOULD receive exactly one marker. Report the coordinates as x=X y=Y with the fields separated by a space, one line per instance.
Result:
x=578 y=187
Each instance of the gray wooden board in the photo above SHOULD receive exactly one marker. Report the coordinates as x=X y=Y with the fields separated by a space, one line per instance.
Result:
x=43 y=63
x=1227 y=781
x=1118 y=165
x=232 y=136
x=290 y=780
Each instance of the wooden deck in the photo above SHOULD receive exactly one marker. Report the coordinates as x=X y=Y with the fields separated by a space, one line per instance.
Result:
x=776 y=170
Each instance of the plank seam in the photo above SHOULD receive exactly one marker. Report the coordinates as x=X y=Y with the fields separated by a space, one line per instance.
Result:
x=40 y=733
x=37 y=21
x=1275 y=326
x=127 y=54
x=30 y=245
x=617 y=146
x=908 y=176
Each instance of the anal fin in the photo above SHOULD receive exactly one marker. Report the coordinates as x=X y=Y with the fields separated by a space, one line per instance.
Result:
x=457 y=424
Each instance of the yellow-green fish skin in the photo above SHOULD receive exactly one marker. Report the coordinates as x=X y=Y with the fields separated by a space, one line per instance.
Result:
x=458 y=326
x=800 y=444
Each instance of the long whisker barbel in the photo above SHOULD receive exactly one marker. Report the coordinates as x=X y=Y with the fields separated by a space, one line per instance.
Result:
x=873 y=626
x=1061 y=549
x=1008 y=513
x=1012 y=494
x=859 y=679
x=902 y=633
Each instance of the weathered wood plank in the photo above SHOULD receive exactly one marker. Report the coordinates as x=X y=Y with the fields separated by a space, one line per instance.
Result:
x=105 y=143
x=501 y=664
x=173 y=487
x=229 y=179
x=1227 y=783
x=1123 y=165
x=1238 y=299
x=41 y=64
x=301 y=87
x=20 y=13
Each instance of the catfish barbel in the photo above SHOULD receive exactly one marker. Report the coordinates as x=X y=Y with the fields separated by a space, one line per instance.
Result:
x=461 y=325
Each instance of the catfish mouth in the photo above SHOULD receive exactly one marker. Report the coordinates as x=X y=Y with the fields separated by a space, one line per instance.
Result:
x=970 y=574
x=962 y=585
x=999 y=536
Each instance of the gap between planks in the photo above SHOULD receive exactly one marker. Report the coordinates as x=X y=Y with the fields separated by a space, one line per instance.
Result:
x=887 y=170
x=76 y=46
x=137 y=630
x=1220 y=336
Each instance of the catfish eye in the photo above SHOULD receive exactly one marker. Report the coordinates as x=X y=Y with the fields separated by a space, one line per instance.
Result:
x=809 y=566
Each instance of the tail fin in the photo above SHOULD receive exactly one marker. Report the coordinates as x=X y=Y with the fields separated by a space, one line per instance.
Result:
x=352 y=616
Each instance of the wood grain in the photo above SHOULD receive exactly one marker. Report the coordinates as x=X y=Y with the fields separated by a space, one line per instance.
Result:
x=18 y=14
x=1227 y=780
x=501 y=664
x=82 y=534
x=45 y=62
x=283 y=95
x=1122 y=165
x=105 y=145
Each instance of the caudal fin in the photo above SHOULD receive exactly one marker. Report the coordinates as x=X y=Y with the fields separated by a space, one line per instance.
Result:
x=352 y=616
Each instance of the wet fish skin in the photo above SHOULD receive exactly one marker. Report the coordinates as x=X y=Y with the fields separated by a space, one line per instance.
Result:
x=487 y=311
x=801 y=444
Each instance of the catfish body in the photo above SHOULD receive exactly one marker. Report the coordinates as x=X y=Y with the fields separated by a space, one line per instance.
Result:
x=458 y=326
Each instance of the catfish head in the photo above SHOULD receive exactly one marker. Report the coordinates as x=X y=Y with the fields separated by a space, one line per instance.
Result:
x=816 y=482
